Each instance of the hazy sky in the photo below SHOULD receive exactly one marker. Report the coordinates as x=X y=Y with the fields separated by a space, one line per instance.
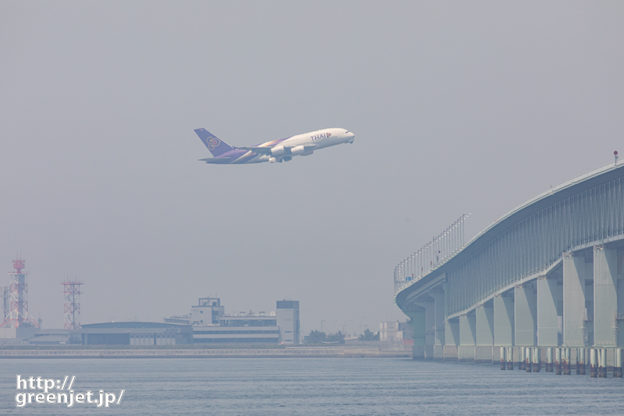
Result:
x=457 y=107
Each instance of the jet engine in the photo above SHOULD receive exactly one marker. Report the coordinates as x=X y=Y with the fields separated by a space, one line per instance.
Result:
x=300 y=150
x=277 y=150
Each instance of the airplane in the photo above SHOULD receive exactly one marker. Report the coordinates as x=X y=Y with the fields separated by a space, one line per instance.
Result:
x=274 y=150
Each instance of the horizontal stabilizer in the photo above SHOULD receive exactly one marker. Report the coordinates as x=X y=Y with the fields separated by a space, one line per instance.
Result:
x=219 y=160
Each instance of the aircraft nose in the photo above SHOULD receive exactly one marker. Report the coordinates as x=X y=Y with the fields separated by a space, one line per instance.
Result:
x=351 y=137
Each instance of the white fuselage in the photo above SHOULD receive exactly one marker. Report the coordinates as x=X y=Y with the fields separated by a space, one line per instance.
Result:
x=306 y=143
x=320 y=138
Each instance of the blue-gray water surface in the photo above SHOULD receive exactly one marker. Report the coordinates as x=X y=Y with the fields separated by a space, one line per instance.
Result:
x=313 y=386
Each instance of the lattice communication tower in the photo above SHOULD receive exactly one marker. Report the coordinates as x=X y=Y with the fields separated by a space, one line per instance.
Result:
x=71 y=293
x=18 y=298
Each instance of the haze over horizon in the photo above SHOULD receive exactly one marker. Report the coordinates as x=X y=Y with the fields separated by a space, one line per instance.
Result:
x=457 y=107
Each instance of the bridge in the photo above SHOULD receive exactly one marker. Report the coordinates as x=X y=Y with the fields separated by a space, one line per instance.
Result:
x=542 y=285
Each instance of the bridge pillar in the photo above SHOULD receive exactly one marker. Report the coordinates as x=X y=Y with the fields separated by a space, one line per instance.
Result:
x=525 y=314
x=549 y=302
x=485 y=332
x=467 y=336
x=577 y=299
x=429 y=327
x=417 y=323
x=451 y=338
x=438 y=301
x=606 y=291
x=504 y=319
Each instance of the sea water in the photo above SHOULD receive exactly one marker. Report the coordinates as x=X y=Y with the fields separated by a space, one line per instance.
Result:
x=308 y=387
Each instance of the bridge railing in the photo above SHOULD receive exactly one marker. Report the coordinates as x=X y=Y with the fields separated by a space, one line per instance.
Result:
x=430 y=256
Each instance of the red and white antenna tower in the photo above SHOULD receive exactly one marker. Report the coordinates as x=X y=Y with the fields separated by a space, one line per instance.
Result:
x=71 y=292
x=4 y=299
x=18 y=297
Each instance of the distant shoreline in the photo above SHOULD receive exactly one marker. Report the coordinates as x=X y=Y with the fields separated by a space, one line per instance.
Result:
x=200 y=352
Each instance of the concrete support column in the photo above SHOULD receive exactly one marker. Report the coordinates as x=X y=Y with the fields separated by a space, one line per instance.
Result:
x=485 y=332
x=577 y=276
x=525 y=314
x=429 y=327
x=451 y=338
x=417 y=323
x=549 y=295
x=605 y=296
x=467 y=336
x=504 y=319
x=440 y=319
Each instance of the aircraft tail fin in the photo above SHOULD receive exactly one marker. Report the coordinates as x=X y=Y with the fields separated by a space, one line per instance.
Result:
x=213 y=143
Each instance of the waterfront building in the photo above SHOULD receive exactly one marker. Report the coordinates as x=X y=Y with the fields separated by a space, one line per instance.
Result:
x=287 y=312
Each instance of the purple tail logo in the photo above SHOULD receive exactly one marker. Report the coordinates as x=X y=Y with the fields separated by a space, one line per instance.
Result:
x=213 y=142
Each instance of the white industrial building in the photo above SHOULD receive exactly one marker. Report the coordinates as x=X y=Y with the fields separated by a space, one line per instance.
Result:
x=211 y=325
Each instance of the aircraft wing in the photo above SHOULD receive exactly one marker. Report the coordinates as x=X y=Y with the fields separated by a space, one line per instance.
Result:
x=257 y=149
x=267 y=150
